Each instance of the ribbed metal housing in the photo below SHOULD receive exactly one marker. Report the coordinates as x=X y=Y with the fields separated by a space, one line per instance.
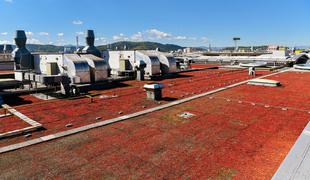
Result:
x=98 y=67
x=167 y=62
x=77 y=68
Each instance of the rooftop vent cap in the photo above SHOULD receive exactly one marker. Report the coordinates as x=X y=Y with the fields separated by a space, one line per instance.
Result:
x=21 y=56
x=20 y=38
x=90 y=41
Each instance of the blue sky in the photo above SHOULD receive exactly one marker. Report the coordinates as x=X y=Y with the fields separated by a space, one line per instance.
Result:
x=183 y=22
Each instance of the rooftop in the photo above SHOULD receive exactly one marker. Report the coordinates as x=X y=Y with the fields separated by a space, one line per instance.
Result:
x=203 y=131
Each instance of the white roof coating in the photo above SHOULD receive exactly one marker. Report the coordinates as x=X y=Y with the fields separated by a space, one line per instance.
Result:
x=254 y=64
x=302 y=66
x=296 y=165
x=264 y=82
x=153 y=86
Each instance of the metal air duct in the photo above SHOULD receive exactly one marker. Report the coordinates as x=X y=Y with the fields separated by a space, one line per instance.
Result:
x=90 y=41
x=21 y=56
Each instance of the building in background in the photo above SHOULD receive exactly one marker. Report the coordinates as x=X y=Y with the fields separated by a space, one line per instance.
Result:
x=187 y=50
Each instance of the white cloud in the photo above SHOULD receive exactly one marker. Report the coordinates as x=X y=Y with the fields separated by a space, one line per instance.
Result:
x=8 y=1
x=192 y=38
x=33 y=41
x=120 y=37
x=4 y=42
x=151 y=34
x=60 y=42
x=158 y=34
x=4 y=33
x=43 y=33
x=80 y=33
x=77 y=22
x=29 y=33
x=101 y=41
x=180 y=37
x=205 y=39
x=137 y=36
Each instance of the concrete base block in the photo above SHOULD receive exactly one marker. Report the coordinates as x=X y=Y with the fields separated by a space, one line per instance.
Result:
x=264 y=82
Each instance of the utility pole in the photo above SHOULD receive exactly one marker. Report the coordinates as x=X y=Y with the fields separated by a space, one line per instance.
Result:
x=77 y=43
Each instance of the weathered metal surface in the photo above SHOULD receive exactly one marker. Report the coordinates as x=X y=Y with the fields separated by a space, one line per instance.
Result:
x=77 y=68
x=98 y=67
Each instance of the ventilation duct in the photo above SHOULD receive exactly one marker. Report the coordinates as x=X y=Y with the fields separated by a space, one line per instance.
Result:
x=90 y=41
x=21 y=56
x=7 y=48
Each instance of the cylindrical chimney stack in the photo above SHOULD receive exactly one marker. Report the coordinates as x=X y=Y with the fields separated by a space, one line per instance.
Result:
x=90 y=41
x=21 y=56
x=20 y=38
x=90 y=37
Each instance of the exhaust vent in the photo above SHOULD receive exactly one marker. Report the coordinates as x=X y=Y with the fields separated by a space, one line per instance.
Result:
x=21 y=56
x=90 y=41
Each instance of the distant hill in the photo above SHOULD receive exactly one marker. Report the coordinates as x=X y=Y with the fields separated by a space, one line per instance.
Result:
x=44 y=48
x=140 y=46
x=40 y=48
x=120 y=45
